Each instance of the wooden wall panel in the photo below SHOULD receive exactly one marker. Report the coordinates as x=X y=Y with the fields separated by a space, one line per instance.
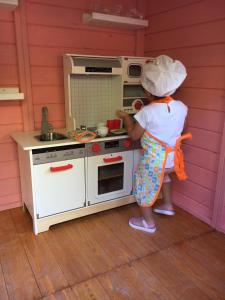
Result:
x=201 y=157
x=193 y=32
x=9 y=168
x=198 y=34
x=65 y=3
x=205 y=139
x=206 y=55
x=5 y=15
x=7 y=33
x=10 y=201
x=6 y=130
x=206 y=77
x=9 y=186
x=8 y=151
x=205 y=119
x=62 y=16
x=11 y=115
x=52 y=56
x=87 y=4
x=222 y=225
x=63 y=37
x=196 y=192
x=8 y=54
x=44 y=56
x=161 y=6
x=197 y=209
x=46 y=76
x=201 y=176
x=208 y=99
x=187 y=15
x=73 y=18
x=8 y=76
x=49 y=94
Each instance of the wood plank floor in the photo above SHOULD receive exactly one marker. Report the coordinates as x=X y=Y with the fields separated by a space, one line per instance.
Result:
x=100 y=257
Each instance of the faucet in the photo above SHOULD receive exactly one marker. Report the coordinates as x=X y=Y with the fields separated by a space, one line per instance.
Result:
x=45 y=126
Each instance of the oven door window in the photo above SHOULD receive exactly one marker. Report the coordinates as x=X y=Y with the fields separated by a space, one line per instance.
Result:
x=110 y=178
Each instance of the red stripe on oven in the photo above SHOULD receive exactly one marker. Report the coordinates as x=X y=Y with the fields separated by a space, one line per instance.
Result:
x=112 y=159
x=61 y=168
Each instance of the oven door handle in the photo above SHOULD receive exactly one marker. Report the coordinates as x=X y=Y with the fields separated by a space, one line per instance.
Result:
x=61 y=168
x=112 y=159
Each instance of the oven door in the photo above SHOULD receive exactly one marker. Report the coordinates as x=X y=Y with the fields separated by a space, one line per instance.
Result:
x=109 y=176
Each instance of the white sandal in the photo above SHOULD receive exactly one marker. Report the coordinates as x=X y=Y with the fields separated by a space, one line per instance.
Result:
x=145 y=227
x=164 y=212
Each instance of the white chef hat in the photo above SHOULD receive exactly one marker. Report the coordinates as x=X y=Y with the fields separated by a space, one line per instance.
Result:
x=163 y=75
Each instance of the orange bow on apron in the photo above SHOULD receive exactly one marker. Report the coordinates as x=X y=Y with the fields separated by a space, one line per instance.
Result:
x=150 y=173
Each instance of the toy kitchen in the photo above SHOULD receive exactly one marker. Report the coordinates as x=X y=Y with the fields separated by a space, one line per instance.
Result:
x=77 y=172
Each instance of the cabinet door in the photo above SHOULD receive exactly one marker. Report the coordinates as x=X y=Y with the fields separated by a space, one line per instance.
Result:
x=59 y=186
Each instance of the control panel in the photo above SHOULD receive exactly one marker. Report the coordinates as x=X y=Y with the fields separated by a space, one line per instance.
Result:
x=61 y=153
x=107 y=147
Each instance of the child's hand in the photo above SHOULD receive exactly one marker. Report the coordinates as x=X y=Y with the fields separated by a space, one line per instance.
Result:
x=121 y=114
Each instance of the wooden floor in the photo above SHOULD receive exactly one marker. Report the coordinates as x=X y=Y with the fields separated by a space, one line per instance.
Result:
x=100 y=257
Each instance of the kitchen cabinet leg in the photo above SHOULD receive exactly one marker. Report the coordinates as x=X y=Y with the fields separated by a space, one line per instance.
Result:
x=40 y=225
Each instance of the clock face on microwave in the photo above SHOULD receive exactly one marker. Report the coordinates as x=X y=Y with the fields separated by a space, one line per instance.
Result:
x=134 y=70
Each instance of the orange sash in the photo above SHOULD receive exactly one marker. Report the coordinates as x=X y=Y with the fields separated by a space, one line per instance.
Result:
x=179 y=157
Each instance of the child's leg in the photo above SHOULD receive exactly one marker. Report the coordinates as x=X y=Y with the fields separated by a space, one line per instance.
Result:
x=148 y=215
x=166 y=208
x=166 y=193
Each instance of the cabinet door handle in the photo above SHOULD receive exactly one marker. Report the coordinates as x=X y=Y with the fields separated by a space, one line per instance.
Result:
x=112 y=159
x=61 y=168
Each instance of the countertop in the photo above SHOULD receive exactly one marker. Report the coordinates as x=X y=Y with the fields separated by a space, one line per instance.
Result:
x=28 y=141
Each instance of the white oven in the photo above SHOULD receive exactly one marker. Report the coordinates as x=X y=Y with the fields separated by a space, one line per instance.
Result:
x=109 y=167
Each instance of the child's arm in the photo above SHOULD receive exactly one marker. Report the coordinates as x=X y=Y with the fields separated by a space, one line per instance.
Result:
x=134 y=130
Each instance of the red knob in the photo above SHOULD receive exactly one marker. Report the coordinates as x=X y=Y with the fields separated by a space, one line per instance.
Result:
x=127 y=143
x=138 y=105
x=96 y=148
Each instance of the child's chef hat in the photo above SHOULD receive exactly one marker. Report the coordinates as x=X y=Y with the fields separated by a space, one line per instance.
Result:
x=163 y=75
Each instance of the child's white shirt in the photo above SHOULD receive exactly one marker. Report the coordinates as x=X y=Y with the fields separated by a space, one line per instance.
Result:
x=165 y=125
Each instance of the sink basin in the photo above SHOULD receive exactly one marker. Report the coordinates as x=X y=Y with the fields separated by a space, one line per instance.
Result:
x=53 y=136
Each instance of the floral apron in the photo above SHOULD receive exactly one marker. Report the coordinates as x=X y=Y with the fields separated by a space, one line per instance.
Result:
x=150 y=173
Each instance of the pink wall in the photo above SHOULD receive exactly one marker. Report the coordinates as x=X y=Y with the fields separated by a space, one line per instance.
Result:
x=33 y=39
x=11 y=114
x=193 y=31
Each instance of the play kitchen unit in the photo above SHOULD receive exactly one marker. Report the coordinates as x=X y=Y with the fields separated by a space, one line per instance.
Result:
x=64 y=179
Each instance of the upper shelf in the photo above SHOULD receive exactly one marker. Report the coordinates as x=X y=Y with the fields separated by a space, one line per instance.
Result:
x=11 y=94
x=112 y=20
x=9 y=4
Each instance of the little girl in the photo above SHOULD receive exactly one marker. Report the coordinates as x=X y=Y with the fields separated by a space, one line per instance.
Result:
x=159 y=125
